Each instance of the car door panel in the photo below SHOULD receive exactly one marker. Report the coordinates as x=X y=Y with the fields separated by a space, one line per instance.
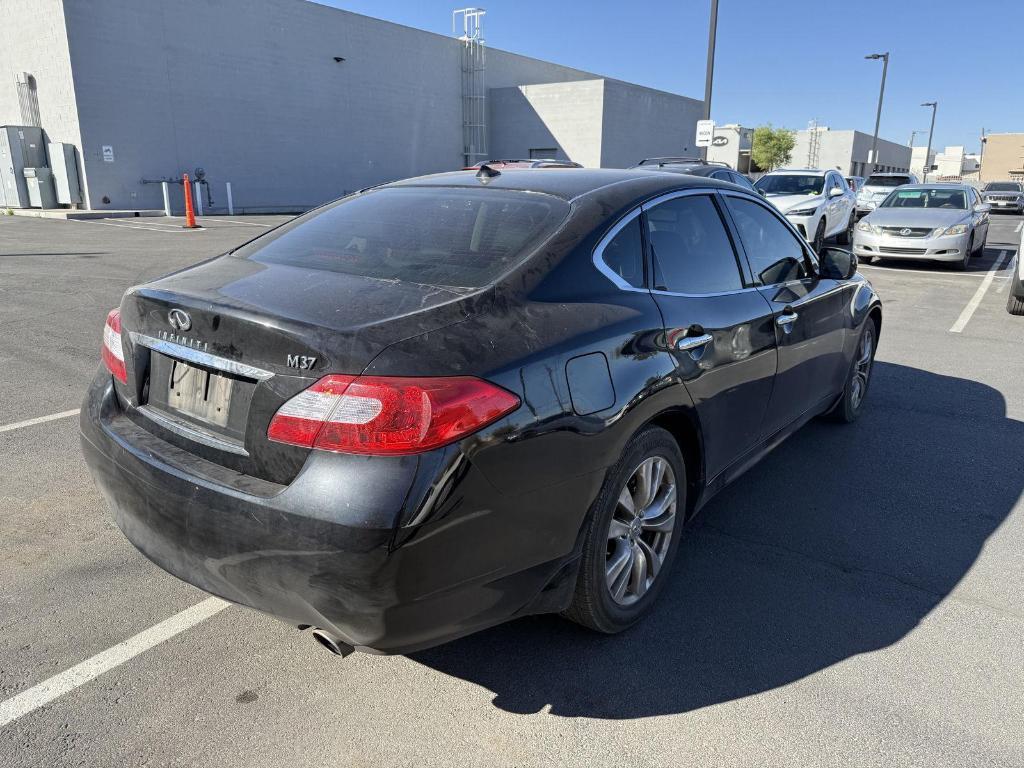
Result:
x=719 y=330
x=810 y=324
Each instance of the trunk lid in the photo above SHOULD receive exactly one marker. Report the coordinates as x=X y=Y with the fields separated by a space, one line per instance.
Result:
x=214 y=350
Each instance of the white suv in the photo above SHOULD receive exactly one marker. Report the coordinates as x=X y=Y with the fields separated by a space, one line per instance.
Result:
x=818 y=203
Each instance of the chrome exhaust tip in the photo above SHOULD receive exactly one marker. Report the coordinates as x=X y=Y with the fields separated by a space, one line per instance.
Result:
x=332 y=644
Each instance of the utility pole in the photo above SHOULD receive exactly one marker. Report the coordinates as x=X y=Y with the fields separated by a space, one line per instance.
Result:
x=709 y=73
x=913 y=135
x=928 y=152
x=878 y=115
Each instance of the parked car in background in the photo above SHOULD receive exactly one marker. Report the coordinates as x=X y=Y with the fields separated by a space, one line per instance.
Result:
x=818 y=203
x=450 y=401
x=502 y=165
x=877 y=187
x=695 y=166
x=940 y=222
x=855 y=183
x=1004 y=196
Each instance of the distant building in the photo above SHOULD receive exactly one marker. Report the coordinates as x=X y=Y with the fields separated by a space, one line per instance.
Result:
x=917 y=163
x=296 y=103
x=847 y=151
x=731 y=144
x=1003 y=157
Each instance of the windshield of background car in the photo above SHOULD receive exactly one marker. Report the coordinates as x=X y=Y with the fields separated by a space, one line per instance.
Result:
x=886 y=181
x=951 y=199
x=1002 y=186
x=790 y=184
x=445 y=236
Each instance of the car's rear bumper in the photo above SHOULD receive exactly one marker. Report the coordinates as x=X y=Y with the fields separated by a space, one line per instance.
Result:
x=331 y=549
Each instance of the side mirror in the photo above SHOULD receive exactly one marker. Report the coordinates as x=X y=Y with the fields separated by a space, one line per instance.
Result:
x=836 y=263
x=761 y=192
x=982 y=208
x=835 y=192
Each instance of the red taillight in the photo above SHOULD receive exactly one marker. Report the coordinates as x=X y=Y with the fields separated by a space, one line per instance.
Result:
x=388 y=414
x=113 y=352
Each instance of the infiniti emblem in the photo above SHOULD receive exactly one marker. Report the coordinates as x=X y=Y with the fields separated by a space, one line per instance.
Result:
x=906 y=231
x=179 y=319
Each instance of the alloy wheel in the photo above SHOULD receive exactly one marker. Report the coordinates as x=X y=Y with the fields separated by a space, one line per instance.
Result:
x=640 y=530
x=862 y=367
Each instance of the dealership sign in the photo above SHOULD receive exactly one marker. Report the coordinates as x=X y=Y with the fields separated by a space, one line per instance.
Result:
x=719 y=141
x=705 y=132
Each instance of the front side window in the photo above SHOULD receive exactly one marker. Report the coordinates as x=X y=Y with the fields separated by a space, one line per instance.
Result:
x=791 y=184
x=624 y=254
x=691 y=249
x=444 y=236
x=774 y=252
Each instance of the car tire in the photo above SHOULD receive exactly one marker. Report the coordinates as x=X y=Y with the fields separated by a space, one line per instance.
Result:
x=846 y=236
x=980 y=250
x=1014 y=305
x=600 y=601
x=819 y=237
x=855 y=391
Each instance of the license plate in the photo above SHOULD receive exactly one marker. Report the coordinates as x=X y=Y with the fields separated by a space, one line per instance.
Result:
x=199 y=393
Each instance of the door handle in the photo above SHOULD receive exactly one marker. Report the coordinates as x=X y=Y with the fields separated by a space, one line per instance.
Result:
x=787 y=318
x=688 y=343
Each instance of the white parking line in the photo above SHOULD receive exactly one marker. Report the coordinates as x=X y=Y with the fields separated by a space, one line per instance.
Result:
x=80 y=674
x=38 y=420
x=965 y=316
x=164 y=228
x=1020 y=224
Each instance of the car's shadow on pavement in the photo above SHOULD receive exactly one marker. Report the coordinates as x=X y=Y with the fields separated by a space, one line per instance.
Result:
x=837 y=544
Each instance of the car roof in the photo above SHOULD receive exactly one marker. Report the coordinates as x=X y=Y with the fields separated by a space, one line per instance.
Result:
x=567 y=183
x=934 y=184
x=893 y=173
x=691 y=170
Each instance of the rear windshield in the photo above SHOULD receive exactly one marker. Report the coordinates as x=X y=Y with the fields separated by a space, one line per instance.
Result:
x=926 y=198
x=1002 y=186
x=790 y=184
x=887 y=181
x=451 y=237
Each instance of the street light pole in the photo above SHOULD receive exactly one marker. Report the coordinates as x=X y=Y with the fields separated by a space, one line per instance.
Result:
x=709 y=73
x=928 y=152
x=878 y=115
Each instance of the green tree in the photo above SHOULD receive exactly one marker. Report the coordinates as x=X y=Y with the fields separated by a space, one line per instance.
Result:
x=772 y=147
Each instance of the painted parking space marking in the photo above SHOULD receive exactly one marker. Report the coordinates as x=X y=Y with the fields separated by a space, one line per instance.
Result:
x=38 y=420
x=979 y=294
x=80 y=674
x=167 y=229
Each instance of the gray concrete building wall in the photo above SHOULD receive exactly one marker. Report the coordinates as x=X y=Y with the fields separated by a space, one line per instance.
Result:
x=566 y=117
x=849 y=152
x=33 y=39
x=250 y=91
x=643 y=122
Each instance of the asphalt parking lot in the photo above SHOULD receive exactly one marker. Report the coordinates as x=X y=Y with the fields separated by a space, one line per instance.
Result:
x=853 y=600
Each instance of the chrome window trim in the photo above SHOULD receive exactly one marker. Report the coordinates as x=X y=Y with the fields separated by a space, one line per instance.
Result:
x=196 y=434
x=598 y=257
x=200 y=358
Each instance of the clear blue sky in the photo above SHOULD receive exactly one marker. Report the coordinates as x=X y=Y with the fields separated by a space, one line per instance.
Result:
x=779 y=61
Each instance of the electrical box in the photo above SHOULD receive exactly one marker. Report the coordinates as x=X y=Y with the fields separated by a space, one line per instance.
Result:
x=64 y=164
x=40 y=188
x=21 y=147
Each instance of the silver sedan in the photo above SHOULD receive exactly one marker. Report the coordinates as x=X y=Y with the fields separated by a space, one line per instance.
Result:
x=940 y=222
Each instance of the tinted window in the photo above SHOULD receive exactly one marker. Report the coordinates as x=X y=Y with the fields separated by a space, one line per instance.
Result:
x=439 y=236
x=887 y=181
x=1002 y=186
x=740 y=179
x=775 y=253
x=790 y=184
x=692 y=251
x=624 y=254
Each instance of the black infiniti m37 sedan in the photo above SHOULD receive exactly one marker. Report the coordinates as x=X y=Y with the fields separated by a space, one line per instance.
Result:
x=450 y=401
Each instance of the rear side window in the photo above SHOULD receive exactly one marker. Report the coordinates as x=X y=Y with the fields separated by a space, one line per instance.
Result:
x=691 y=250
x=887 y=181
x=624 y=254
x=441 y=236
x=775 y=254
